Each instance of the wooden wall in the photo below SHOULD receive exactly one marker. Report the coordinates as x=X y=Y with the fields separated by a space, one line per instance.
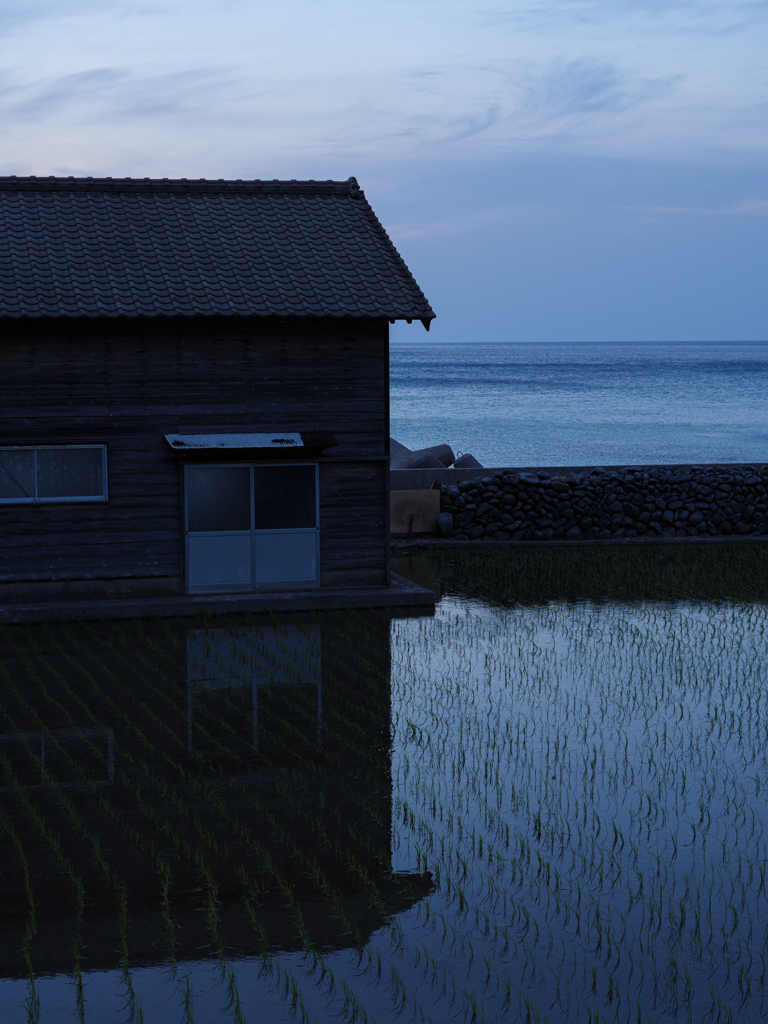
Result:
x=127 y=384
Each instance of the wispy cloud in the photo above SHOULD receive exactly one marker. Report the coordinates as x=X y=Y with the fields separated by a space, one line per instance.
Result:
x=464 y=222
x=395 y=80
x=469 y=125
x=588 y=86
x=45 y=99
x=702 y=17
x=15 y=14
x=467 y=110
x=752 y=206
x=716 y=209
x=101 y=94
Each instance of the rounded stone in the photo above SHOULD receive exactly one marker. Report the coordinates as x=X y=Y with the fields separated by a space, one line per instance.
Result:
x=445 y=524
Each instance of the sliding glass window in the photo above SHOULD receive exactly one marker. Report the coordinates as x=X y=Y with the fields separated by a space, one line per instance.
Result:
x=53 y=473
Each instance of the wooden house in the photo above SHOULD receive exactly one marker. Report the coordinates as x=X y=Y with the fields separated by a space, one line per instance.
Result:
x=194 y=386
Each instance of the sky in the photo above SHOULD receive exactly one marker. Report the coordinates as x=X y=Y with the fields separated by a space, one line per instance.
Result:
x=551 y=170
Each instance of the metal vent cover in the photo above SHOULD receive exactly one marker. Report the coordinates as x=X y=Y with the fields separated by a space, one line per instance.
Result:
x=196 y=442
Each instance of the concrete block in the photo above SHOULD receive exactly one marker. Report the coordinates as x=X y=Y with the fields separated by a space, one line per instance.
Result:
x=438 y=456
x=399 y=455
x=442 y=452
x=424 y=460
x=467 y=462
x=413 y=511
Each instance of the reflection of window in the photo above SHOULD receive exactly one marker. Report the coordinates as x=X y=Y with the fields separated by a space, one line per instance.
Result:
x=277 y=669
x=65 y=757
x=62 y=473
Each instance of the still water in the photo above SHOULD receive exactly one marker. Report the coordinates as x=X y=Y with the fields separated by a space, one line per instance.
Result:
x=584 y=404
x=523 y=807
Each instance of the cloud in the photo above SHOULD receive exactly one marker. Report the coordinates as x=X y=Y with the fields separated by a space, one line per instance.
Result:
x=474 y=110
x=393 y=80
x=22 y=12
x=466 y=222
x=17 y=14
x=49 y=98
x=719 y=209
x=473 y=124
x=106 y=94
x=701 y=17
x=752 y=206
x=587 y=86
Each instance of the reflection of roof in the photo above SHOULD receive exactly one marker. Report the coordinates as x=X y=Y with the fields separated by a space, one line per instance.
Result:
x=100 y=935
x=95 y=247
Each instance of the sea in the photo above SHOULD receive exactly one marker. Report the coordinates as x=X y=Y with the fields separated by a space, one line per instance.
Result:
x=584 y=404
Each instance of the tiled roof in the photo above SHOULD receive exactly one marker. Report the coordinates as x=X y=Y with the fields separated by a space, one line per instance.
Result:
x=103 y=247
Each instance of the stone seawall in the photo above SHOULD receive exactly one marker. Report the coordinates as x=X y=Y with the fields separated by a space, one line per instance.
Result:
x=625 y=502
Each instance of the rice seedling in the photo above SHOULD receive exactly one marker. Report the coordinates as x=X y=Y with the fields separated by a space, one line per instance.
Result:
x=32 y=997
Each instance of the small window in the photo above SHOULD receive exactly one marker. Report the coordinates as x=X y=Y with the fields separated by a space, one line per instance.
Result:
x=63 y=473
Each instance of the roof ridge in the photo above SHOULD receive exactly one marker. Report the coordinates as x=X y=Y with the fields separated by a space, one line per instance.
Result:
x=33 y=183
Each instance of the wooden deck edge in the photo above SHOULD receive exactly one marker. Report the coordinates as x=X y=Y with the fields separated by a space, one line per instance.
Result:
x=402 y=593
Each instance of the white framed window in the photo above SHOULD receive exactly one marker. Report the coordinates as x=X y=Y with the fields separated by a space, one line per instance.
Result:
x=44 y=473
x=251 y=525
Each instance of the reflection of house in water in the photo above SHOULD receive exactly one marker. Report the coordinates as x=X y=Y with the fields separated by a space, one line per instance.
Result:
x=244 y=757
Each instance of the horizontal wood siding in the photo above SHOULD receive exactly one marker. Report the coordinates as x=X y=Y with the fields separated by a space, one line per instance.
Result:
x=128 y=384
x=353 y=527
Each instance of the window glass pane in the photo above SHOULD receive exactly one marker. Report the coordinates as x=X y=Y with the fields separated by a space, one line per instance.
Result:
x=284 y=497
x=218 y=498
x=17 y=473
x=70 y=472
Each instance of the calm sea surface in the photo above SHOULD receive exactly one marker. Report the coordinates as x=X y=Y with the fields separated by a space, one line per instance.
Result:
x=584 y=404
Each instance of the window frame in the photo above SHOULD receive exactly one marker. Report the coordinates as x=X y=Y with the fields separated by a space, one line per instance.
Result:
x=255 y=585
x=59 y=499
x=252 y=465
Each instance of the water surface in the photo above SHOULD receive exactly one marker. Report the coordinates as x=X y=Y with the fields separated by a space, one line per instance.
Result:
x=584 y=404
x=547 y=802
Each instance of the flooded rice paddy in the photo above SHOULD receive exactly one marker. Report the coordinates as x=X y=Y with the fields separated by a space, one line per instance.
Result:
x=547 y=802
